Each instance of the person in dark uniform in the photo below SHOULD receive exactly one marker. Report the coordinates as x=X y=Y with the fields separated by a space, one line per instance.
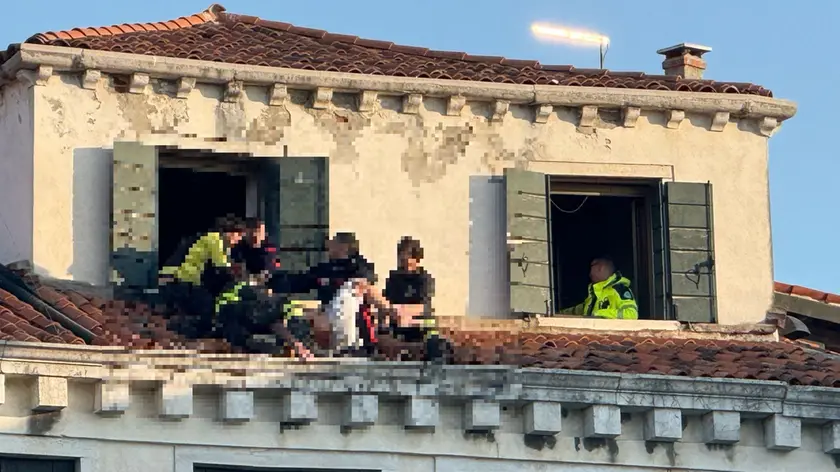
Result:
x=330 y=279
x=409 y=290
x=253 y=317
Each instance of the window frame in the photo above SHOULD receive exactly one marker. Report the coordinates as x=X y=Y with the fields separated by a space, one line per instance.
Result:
x=678 y=242
x=644 y=191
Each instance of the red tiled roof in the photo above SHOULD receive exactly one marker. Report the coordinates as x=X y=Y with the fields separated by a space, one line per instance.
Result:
x=621 y=353
x=787 y=289
x=119 y=323
x=215 y=35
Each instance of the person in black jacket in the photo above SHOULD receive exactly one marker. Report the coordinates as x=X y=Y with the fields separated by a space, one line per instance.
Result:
x=409 y=291
x=327 y=280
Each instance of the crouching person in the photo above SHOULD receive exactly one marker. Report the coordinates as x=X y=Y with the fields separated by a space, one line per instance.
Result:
x=340 y=284
x=254 y=319
x=409 y=291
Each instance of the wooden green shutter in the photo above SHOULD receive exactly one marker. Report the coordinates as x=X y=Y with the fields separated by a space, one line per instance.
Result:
x=660 y=305
x=134 y=218
x=304 y=211
x=690 y=253
x=528 y=236
x=269 y=195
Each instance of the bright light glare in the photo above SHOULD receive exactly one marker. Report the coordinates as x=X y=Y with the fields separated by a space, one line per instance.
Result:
x=546 y=31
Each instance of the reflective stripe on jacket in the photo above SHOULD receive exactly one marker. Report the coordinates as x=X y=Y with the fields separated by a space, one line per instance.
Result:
x=210 y=247
x=229 y=296
x=612 y=299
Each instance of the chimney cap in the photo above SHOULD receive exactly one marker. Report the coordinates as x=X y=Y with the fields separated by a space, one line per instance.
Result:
x=684 y=48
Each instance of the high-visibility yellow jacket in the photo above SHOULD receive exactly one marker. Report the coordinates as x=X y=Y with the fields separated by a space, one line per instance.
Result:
x=208 y=248
x=611 y=298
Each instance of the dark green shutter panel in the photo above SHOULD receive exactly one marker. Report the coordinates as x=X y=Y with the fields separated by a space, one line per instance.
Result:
x=691 y=255
x=269 y=184
x=134 y=218
x=528 y=238
x=304 y=211
x=660 y=303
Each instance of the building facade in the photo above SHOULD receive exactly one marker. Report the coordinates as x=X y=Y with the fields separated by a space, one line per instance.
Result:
x=117 y=142
x=386 y=143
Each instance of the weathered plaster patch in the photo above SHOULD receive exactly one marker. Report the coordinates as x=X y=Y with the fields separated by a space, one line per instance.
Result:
x=429 y=151
x=58 y=116
x=231 y=120
x=270 y=127
x=151 y=112
x=345 y=127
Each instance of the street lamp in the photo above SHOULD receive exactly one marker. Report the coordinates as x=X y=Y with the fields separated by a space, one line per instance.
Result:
x=559 y=33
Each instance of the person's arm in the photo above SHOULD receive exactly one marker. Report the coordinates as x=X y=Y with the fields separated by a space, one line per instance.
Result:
x=577 y=310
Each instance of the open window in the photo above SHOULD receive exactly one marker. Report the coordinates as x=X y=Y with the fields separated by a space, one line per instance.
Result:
x=163 y=198
x=659 y=236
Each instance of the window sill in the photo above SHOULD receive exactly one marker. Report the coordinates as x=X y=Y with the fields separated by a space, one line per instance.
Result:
x=598 y=324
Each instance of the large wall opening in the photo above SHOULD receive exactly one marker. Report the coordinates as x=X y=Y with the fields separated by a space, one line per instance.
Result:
x=591 y=221
x=191 y=200
x=195 y=190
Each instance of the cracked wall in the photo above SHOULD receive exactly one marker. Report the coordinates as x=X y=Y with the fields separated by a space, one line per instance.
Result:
x=393 y=174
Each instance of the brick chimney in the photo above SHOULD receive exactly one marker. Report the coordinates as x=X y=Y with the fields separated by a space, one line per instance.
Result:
x=684 y=60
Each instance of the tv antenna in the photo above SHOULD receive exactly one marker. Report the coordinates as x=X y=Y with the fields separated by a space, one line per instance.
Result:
x=576 y=37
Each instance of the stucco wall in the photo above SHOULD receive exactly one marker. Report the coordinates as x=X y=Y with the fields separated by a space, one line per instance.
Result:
x=16 y=138
x=137 y=441
x=395 y=174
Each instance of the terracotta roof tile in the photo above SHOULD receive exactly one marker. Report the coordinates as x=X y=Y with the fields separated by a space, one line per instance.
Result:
x=788 y=289
x=215 y=35
x=138 y=326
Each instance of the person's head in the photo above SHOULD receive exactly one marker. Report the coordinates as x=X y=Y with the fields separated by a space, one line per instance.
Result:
x=343 y=246
x=255 y=231
x=601 y=269
x=232 y=229
x=409 y=253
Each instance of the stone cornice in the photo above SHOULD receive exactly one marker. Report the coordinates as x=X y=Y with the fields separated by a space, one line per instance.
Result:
x=40 y=59
x=481 y=390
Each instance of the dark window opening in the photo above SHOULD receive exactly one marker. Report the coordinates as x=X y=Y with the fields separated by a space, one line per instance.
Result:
x=229 y=468
x=22 y=464
x=584 y=227
x=191 y=200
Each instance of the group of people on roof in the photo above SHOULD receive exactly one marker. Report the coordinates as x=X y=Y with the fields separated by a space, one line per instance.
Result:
x=230 y=285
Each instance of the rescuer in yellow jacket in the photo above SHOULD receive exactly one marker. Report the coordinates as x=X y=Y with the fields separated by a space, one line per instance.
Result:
x=203 y=277
x=609 y=294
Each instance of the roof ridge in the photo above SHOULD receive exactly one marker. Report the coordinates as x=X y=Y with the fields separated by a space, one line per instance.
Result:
x=211 y=14
x=496 y=69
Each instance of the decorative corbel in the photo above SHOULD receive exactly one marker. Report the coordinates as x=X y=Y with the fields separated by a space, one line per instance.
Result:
x=90 y=79
x=277 y=95
x=455 y=105
x=322 y=98
x=138 y=82
x=588 y=115
x=767 y=125
x=719 y=121
x=630 y=115
x=233 y=90
x=38 y=77
x=185 y=87
x=543 y=112
x=411 y=103
x=500 y=109
x=675 y=117
x=367 y=100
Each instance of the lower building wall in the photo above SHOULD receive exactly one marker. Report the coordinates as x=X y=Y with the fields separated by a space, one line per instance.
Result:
x=138 y=441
